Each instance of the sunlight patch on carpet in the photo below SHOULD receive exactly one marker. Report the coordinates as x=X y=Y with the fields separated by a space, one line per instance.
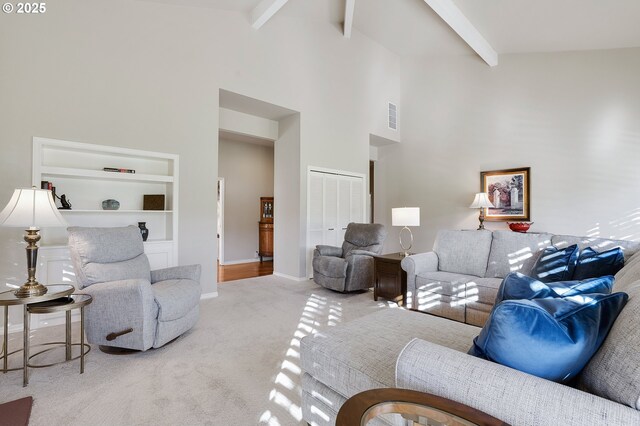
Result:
x=317 y=312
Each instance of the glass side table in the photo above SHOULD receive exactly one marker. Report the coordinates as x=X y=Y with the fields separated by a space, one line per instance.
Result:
x=7 y=299
x=64 y=304
x=417 y=408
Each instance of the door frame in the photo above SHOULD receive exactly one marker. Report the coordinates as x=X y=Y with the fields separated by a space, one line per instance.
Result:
x=221 y=219
x=310 y=169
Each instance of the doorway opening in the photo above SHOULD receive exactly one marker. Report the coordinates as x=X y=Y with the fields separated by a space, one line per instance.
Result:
x=248 y=136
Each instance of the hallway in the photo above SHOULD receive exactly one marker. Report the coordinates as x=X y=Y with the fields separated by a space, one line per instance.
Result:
x=240 y=271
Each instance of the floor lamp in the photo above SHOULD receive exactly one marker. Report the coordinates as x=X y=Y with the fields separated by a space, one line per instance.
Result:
x=31 y=208
x=406 y=217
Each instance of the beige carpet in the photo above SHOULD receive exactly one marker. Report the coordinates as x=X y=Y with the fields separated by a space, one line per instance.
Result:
x=238 y=366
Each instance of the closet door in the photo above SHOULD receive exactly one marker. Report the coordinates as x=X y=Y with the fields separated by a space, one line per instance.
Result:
x=334 y=200
x=316 y=216
x=331 y=210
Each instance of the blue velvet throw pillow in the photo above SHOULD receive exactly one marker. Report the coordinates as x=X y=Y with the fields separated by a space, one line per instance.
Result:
x=518 y=286
x=552 y=338
x=593 y=264
x=556 y=264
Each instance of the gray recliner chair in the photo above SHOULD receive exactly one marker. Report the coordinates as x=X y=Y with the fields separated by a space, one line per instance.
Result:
x=350 y=267
x=133 y=307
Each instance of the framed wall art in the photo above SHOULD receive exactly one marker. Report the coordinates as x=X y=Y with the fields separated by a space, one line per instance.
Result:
x=508 y=191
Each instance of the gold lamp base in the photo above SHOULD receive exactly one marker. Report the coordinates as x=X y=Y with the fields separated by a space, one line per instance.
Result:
x=31 y=290
x=32 y=287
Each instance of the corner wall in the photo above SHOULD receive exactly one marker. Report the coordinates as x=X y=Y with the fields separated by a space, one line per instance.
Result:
x=571 y=117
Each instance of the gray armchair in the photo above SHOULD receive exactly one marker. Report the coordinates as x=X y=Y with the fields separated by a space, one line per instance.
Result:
x=157 y=306
x=350 y=267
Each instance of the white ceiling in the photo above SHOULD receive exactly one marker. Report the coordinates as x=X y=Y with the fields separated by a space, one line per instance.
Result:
x=411 y=28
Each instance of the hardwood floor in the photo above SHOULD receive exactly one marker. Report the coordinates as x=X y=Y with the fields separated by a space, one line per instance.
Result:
x=240 y=271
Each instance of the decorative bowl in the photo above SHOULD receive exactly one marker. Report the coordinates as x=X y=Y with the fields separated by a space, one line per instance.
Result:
x=519 y=226
x=110 y=204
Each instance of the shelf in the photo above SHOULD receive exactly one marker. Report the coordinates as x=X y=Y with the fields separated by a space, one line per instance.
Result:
x=99 y=174
x=64 y=246
x=112 y=211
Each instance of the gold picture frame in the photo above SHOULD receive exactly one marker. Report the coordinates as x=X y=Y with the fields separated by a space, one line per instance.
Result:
x=509 y=192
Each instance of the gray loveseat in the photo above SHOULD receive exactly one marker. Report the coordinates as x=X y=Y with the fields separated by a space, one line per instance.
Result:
x=459 y=279
x=402 y=348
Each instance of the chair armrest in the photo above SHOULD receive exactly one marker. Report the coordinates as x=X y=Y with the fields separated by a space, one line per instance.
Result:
x=186 y=272
x=507 y=394
x=117 y=306
x=329 y=251
x=414 y=265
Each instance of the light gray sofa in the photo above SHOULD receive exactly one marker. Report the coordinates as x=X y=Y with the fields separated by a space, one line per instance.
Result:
x=407 y=349
x=350 y=267
x=459 y=279
x=111 y=266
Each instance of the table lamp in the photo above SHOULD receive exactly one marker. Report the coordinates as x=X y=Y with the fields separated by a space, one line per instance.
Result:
x=481 y=201
x=32 y=208
x=406 y=217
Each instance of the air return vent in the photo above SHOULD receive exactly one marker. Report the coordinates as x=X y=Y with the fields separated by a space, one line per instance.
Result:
x=393 y=116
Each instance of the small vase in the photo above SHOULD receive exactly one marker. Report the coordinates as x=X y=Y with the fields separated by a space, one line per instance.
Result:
x=143 y=230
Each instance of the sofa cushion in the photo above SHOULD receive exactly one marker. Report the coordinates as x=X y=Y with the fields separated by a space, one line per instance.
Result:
x=175 y=298
x=593 y=264
x=599 y=244
x=552 y=338
x=440 y=282
x=463 y=252
x=514 y=251
x=362 y=354
x=519 y=286
x=614 y=371
x=629 y=274
x=555 y=264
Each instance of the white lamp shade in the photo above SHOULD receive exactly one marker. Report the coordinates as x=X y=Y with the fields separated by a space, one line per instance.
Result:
x=481 y=201
x=33 y=208
x=405 y=216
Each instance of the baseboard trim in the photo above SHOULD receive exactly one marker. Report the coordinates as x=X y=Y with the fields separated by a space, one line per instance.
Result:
x=211 y=295
x=289 y=277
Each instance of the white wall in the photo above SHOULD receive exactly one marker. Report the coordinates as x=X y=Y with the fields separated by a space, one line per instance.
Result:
x=247 y=170
x=249 y=125
x=571 y=117
x=147 y=75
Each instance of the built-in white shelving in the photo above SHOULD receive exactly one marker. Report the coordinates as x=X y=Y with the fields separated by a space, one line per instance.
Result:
x=76 y=170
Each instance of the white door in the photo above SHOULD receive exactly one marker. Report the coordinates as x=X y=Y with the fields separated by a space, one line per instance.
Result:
x=334 y=200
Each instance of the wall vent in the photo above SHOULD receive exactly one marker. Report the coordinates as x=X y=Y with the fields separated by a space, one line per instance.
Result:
x=393 y=116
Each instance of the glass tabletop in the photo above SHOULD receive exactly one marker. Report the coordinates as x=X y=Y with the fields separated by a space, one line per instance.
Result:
x=64 y=303
x=404 y=406
x=55 y=291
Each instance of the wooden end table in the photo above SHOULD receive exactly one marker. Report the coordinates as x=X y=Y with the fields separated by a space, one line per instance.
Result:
x=418 y=408
x=390 y=280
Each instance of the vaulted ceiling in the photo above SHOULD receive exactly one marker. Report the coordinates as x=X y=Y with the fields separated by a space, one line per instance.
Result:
x=413 y=28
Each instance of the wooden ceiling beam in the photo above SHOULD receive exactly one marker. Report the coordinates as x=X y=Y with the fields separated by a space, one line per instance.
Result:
x=349 y=9
x=265 y=11
x=454 y=17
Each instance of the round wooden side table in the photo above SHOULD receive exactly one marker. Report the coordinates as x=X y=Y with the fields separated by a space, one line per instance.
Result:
x=418 y=408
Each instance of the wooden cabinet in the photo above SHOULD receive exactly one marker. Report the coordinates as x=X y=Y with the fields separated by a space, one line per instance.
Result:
x=265 y=228
x=390 y=280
